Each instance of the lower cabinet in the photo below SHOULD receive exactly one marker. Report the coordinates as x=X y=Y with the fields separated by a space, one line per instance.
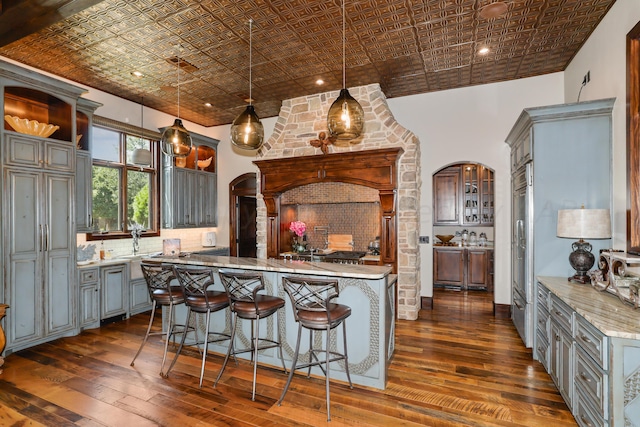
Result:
x=139 y=299
x=466 y=268
x=114 y=295
x=89 y=301
x=595 y=373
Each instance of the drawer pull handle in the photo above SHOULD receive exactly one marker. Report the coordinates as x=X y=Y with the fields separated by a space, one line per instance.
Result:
x=584 y=377
x=585 y=338
x=584 y=420
x=558 y=313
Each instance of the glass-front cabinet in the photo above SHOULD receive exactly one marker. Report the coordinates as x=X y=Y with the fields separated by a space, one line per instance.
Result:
x=190 y=186
x=463 y=194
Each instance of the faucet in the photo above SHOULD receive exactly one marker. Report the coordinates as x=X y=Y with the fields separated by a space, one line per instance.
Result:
x=136 y=231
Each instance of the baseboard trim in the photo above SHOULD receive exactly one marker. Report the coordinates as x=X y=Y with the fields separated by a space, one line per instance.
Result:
x=426 y=303
x=501 y=311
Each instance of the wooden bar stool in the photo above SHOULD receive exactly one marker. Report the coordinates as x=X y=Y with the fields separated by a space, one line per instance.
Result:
x=313 y=310
x=196 y=283
x=246 y=303
x=158 y=277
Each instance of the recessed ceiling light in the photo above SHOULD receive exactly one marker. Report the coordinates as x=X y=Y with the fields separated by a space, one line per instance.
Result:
x=137 y=73
x=207 y=104
x=319 y=82
x=483 y=50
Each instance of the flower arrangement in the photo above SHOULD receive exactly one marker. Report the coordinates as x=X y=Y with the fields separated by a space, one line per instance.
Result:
x=298 y=228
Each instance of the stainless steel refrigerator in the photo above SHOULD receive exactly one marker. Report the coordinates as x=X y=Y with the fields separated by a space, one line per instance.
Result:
x=560 y=159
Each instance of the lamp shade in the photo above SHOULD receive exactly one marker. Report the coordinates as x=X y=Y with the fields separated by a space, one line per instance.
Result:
x=345 y=119
x=247 y=131
x=176 y=141
x=141 y=157
x=584 y=223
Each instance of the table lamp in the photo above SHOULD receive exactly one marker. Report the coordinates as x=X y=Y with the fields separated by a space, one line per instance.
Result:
x=583 y=224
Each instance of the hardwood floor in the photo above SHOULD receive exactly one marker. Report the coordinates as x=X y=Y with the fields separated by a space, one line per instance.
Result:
x=457 y=365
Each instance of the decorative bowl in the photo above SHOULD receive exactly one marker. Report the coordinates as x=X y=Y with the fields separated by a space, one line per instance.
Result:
x=445 y=238
x=203 y=164
x=31 y=127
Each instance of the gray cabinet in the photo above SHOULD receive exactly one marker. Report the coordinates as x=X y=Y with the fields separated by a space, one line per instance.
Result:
x=114 y=292
x=84 y=196
x=549 y=147
x=596 y=373
x=39 y=241
x=190 y=187
x=139 y=299
x=89 y=298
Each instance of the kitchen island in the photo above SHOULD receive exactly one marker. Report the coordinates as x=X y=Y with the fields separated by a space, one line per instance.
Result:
x=368 y=290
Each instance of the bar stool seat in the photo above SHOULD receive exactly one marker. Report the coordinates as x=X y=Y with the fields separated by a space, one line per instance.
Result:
x=246 y=303
x=159 y=279
x=312 y=309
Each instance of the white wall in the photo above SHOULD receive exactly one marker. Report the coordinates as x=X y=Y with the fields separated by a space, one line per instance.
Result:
x=604 y=55
x=471 y=124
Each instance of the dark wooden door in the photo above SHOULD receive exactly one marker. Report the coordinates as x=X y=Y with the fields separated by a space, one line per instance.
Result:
x=448 y=267
x=246 y=226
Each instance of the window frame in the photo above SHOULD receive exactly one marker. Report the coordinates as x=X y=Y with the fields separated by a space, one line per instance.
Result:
x=155 y=169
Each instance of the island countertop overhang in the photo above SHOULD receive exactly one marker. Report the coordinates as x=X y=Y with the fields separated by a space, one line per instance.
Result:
x=357 y=271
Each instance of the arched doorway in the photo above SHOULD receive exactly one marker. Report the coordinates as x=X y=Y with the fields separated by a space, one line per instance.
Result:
x=242 y=216
x=463 y=224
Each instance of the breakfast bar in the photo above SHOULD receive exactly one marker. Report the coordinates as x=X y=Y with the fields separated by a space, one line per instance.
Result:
x=368 y=290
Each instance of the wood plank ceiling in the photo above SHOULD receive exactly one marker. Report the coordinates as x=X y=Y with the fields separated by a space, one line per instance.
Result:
x=407 y=46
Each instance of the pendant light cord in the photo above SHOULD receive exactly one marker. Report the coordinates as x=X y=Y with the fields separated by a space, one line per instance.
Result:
x=178 y=66
x=344 y=61
x=250 y=59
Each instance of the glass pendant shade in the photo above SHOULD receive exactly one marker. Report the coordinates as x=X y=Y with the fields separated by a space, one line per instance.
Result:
x=247 y=131
x=176 y=141
x=345 y=119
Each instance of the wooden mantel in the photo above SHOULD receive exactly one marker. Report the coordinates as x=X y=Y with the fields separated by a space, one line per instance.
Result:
x=371 y=168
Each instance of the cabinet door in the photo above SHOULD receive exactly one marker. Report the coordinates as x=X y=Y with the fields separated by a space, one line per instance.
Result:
x=477 y=261
x=446 y=196
x=24 y=257
x=184 y=198
x=448 y=266
x=206 y=199
x=139 y=298
x=89 y=307
x=486 y=196
x=561 y=361
x=59 y=247
x=84 y=196
x=471 y=202
x=114 y=296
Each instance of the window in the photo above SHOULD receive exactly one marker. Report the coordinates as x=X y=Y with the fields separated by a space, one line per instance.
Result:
x=124 y=194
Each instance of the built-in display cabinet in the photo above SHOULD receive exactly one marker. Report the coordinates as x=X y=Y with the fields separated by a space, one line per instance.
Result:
x=190 y=186
x=84 y=175
x=38 y=209
x=463 y=195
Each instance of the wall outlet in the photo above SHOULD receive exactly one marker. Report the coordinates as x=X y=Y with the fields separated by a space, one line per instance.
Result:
x=424 y=239
x=587 y=78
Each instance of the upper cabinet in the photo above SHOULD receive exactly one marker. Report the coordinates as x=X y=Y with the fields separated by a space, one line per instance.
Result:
x=190 y=186
x=463 y=194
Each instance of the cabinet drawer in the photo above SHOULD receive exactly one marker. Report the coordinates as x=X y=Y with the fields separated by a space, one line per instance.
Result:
x=542 y=349
x=584 y=415
x=542 y=321
x=88 y=276
x=543 y=296
x=561 y=313
x=591 y=382
x=592 y=341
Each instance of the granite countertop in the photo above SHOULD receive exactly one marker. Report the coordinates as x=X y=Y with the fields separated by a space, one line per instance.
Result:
x=603 y=310
x=282 y=266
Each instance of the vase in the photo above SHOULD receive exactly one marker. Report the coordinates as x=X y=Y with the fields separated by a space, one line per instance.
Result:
x=298 y=246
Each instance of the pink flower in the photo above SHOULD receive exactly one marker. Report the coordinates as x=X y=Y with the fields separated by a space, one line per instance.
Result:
x=298 y=227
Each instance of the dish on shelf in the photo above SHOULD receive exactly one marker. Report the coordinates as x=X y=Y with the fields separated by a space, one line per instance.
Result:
x=203 y=164
x=445 y=238
x=31 y=127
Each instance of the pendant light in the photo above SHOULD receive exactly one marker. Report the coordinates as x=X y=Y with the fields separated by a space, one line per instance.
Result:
x=141 y=156
x=345 y=119
x=247 y=132
x=176 y=141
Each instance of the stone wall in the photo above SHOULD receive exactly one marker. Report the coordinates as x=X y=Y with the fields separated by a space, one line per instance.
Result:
x=302 y=119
